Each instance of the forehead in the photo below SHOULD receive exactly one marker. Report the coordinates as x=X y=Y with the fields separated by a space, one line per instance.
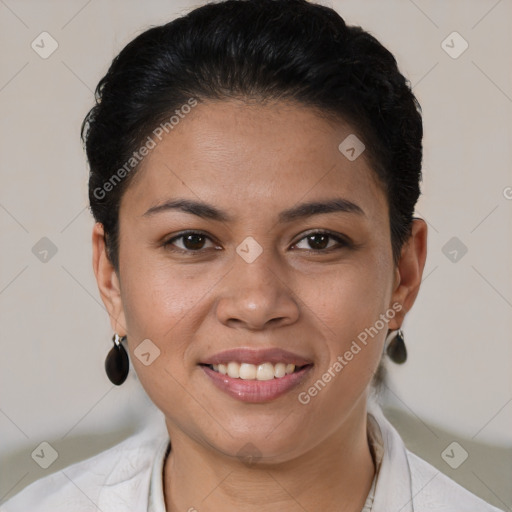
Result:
x=250 y=158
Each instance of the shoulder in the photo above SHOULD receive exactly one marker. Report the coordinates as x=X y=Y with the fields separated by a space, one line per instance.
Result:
x=434 y=491
x=117 y=476
x=409 y=483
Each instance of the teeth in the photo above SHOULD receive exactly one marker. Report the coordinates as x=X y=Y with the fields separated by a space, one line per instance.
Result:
x=234 y=370
x=280 y=370
x=246 y=371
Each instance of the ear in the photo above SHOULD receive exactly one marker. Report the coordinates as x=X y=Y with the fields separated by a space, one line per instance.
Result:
x=108 y=281
x=409 y=271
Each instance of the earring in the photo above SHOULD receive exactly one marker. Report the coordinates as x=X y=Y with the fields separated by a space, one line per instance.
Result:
x=395 y=347
x=117 y=364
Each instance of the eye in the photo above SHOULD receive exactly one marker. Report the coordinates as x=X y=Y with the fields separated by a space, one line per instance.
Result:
x=192 y=241
x=319 y=241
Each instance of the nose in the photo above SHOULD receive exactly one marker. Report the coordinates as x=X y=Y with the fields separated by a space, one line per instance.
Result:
x=256 y=296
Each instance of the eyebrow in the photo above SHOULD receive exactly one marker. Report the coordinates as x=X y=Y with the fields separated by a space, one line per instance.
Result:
x=208 y=211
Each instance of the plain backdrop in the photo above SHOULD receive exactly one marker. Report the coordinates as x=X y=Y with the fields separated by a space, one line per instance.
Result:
x=456 y=385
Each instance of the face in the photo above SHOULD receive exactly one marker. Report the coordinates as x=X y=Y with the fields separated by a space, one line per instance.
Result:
x=250 y=267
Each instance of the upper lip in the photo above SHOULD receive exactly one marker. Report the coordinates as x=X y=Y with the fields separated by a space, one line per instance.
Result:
x=260 y=356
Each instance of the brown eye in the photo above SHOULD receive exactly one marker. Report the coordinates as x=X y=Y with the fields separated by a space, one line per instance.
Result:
x=319 y=241
x=190 y=242
x=193 y=242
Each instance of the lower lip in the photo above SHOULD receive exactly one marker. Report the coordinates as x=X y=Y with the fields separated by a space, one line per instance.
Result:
x=256 y=391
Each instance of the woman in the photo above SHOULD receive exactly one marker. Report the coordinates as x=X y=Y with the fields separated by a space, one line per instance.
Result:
x=254 y=171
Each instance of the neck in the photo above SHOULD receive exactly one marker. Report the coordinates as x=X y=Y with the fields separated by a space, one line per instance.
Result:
x=334 y=476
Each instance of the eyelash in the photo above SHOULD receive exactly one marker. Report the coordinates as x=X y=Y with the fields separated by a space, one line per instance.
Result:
x=339 y=239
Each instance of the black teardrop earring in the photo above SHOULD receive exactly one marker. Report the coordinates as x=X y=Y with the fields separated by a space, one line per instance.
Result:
x=396 y=348
x=117 y=364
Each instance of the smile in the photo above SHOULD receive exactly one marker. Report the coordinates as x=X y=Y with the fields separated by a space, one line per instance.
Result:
x=248 y=371
x=254 y=389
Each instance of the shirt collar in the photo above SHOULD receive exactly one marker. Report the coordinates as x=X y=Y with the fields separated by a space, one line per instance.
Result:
x=391 y=489
x=156 y=491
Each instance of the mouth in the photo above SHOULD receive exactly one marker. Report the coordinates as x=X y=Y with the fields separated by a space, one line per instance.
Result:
x=256 y=376
x=261 y=372
x=256 y=357
x=257 y=391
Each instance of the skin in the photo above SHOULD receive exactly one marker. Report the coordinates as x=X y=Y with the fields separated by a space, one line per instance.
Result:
x=253 y=161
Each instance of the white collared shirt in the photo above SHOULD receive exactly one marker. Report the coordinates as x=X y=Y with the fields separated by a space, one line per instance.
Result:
x=128 y=478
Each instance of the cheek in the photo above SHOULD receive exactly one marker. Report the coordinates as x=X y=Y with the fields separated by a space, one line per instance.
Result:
x=348 y=305
x=159 y=303
x=165 y=303
x=162 y=310
x=352 y=296
x=348 y=312
x=157 y=294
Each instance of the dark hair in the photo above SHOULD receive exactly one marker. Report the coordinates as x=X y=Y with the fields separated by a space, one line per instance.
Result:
x=264 y=50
